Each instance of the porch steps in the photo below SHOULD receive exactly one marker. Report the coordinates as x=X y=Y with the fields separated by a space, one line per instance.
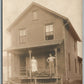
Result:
x=14 y=81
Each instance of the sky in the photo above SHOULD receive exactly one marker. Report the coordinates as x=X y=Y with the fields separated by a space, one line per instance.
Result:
x=68 y=8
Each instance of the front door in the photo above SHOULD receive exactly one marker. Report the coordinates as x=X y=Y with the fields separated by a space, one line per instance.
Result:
x=23 y=65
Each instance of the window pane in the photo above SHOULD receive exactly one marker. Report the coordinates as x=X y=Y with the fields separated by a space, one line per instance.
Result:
x=47 y=28
x=34 y=15
x=49 y=32
x=75 y=66
x=22 y=39
x=51 y=27
x=69 y=61
x=49 y=37
x=22 y=35
x=22 y=32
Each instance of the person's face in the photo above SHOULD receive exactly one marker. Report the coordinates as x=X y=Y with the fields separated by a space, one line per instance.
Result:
x=50 y=55
x=33 y=58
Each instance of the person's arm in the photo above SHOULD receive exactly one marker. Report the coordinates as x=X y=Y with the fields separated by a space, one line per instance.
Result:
x=48 y=60
x=37 y=65
x=53 y=57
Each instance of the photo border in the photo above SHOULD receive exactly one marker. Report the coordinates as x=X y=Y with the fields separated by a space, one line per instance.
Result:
x=1 y=39
x=83 y=41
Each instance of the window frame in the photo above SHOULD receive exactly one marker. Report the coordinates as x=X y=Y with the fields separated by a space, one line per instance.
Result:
x=75 y=66
x=75 y=45
x=22 y=37
x=80 y=67
x=36 y=15
x=49 y=31
x=69 y=61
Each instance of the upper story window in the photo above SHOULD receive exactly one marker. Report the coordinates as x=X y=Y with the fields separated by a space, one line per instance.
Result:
x=75 y=45
x=80 y=67
x=75 y=67
x=35 y=15
x=22 y=35
x=69 y=61
x=49 y=32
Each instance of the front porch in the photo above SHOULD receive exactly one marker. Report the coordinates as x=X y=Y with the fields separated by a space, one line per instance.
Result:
x=22 y=71
x=39 y=80
x=41 y=55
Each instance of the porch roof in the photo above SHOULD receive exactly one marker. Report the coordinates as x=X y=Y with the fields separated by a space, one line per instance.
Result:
x=34 y=45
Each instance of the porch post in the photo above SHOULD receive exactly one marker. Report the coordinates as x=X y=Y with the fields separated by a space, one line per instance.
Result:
x=56 y=61
x=30 y=60
x=8 y=66
x=56 y=64
x=35 y=81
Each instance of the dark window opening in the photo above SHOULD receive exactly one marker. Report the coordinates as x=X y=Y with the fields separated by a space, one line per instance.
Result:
x=64 y=21
x=75 y=66
x=66 y=24
x=69 y=62
x=22 y=65
x=79 y=67
x=74 y=46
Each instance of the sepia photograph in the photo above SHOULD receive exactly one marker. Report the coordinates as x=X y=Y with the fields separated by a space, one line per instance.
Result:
x=42 y=42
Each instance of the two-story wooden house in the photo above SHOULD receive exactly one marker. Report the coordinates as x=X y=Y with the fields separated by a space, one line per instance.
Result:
x=38 y=32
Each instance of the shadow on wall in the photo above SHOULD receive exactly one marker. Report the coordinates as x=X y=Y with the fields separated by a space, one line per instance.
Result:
x=76 y=82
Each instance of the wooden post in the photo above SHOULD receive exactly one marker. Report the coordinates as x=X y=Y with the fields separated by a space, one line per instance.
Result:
x=56 y=61
x=35 y=81
x=30 y=60
x=26 y=65
x=8 y=66
x=56 y=64
x=61 y=81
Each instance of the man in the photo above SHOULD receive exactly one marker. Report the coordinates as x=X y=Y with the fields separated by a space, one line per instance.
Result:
x=51 y=60
x=34 y=65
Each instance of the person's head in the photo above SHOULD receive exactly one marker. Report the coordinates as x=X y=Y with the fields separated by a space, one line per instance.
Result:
x=33 y=57
x=50 y=55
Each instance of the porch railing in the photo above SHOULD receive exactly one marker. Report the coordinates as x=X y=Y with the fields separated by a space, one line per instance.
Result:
x=24 y=72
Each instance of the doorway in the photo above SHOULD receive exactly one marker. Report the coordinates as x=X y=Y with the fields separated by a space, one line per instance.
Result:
x=22 y=65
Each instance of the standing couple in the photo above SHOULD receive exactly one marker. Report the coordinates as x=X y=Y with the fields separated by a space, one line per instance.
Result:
x=50 y=60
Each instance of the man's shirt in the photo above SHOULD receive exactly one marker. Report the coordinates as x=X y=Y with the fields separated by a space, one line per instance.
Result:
x=51 y=59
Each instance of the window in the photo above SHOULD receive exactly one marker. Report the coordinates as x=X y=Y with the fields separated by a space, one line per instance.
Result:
x=49 y=32
x=69 y=62
x=80 y=67
x=75 y=67
x=22 y=35
x=74 y=45
x=35 y=16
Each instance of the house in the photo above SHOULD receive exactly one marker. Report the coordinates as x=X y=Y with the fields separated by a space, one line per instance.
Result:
x=39 y=32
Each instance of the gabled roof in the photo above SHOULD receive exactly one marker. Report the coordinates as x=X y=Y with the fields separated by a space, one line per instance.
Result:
x=71 y=29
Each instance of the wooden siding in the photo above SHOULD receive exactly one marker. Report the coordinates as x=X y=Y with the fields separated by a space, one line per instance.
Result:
x=69 y=48
x=35 y=29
